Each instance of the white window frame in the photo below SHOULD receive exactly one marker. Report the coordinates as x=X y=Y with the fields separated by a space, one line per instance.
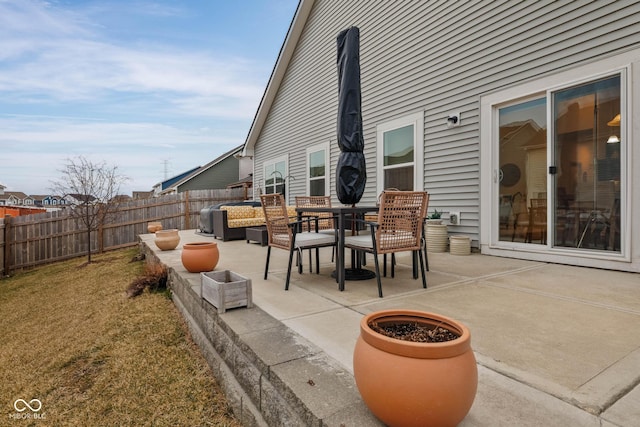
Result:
x=417 y=120
x=545 y=86
x=310 y=150
x=284 y=158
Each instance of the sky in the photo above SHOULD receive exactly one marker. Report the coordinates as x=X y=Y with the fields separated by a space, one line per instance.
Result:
x=152 y=87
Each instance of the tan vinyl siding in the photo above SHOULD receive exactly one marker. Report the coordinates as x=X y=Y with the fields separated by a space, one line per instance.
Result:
x=437 y=57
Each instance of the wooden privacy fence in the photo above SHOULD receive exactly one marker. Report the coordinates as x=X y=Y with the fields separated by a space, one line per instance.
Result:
x=31 y=240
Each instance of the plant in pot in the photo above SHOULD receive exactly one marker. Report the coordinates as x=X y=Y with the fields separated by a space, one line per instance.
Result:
x=415 y=368
x=435 y=217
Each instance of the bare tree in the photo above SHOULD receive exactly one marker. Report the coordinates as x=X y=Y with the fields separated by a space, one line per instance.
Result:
x=92 y=188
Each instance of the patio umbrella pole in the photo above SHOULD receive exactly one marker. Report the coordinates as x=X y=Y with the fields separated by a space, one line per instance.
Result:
x=356 y=272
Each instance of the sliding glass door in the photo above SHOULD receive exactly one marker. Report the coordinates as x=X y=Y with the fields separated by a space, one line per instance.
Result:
x=559 y=185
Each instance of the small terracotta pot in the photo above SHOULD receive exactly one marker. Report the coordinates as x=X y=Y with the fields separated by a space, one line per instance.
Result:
x=198 y=257
x=154 y=226
x=411 y=383
x=167 y=240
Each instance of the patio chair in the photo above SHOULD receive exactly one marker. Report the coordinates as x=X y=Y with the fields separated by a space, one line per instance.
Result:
x=423 y=243
x=537 y=220
x=325 y=223
x=325 y=219
x=373 y=218
x=399 y=228
x=601 y=220
x=287 y=235
x=521 y=218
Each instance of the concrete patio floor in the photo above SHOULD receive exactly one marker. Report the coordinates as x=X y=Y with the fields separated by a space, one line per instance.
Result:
x=555 y=345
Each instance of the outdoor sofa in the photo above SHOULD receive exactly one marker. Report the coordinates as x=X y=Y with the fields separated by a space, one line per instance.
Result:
x=231 y=222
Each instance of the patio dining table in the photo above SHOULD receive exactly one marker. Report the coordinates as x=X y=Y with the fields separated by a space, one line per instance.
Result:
x=343 y=213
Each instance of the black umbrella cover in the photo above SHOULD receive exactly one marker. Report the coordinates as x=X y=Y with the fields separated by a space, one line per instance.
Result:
x=351 y=174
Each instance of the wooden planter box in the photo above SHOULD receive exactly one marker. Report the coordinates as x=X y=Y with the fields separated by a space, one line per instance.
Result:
x=226 y=289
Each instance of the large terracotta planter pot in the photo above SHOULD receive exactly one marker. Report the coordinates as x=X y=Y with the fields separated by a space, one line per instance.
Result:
x=200 y=256
x=167 y=240
x=415 y=384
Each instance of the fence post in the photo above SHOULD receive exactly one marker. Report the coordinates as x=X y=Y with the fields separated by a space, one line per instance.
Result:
x=7 y=245
x=101 y=220
x=187 y=219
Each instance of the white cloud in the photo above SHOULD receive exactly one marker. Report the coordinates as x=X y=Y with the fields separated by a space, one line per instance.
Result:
x=63 y=62
x=85 y=134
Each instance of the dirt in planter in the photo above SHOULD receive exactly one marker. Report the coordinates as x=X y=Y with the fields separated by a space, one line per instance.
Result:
x=415 y=332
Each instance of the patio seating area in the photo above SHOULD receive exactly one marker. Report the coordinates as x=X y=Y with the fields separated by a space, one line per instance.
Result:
x=556 y=345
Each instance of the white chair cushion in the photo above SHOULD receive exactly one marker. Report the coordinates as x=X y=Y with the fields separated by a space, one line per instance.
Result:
x=361 y=241
x=309 y=239
x=328 y=231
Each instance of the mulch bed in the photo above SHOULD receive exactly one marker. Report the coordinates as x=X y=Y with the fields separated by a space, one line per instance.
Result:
x=414 y=332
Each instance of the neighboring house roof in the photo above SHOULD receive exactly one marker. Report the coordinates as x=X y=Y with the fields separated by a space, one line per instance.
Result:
x=169 y=182
x=12 y=197
x=203 y=169
x=17 y=194
x=279 y=70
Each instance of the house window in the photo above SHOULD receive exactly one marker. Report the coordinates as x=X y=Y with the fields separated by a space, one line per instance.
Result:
x=317 y=168
x=275 y=174
x=400 y=147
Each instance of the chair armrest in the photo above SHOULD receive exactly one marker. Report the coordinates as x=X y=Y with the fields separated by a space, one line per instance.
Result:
x=219 y=221
x=372 y=224
x=307 y=219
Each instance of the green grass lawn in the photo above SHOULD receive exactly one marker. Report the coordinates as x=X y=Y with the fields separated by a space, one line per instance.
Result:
x=71 y=338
